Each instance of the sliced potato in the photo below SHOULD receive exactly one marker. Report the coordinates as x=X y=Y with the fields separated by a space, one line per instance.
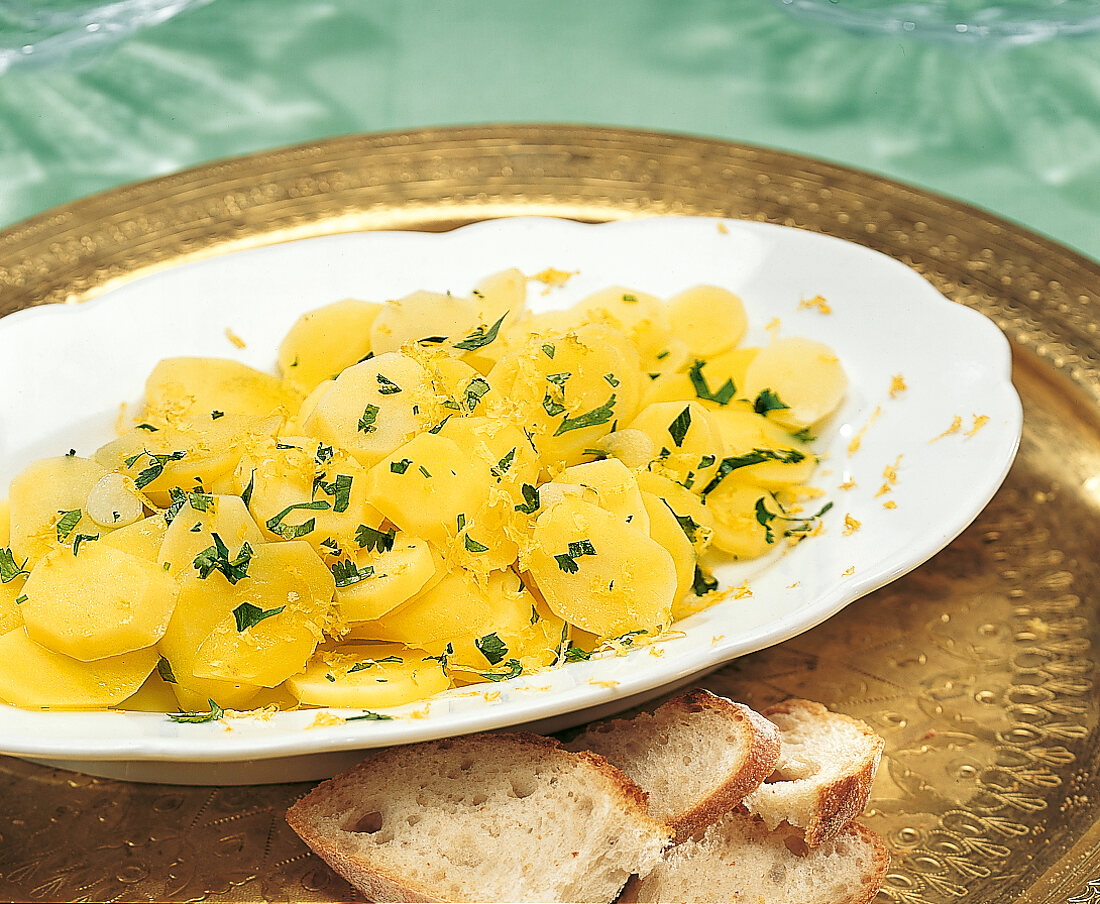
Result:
x=325 y=341
x=34 y=677
x=798 y=382
x=97 y=602
x=597 y=572
x=369 y=675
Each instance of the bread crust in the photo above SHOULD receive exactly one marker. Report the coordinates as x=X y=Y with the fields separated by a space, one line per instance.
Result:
x=321 y=816
x=760 y=741
x=843 y=799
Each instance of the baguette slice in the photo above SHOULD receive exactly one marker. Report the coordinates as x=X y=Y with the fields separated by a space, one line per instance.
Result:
x=825 y=771
x=739 y=860
x=489 y=817
x=696 y=756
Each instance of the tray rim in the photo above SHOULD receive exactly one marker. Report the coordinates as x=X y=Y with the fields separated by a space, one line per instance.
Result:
x=34 y=234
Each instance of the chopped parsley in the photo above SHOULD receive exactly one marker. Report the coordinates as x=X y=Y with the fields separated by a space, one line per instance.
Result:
x=373 y=540
x=215 y=713
x=503 y=466
x=371 y=663
x=401 y=466
x=214 y=415
x=593 y=418
x=216 y=558
x=481 y=337
x=67 y=523
x=688 y=525
x=290 y=531
x=246 y=493
x=756 y=456
x=387 y=386
x=531 y=502
x=703 y=583
x=549 y=351
x=347 y=573
x=472 y=545
x=679 y=427
x=148 y=427
x=9 y=568
x=567 y=561
x=164 y=669
x=722 y=397
x=367 y=419
x=512 y=668
x=339 y=489
x=475 y=391
x=83 y=538
x=369 y=716
x=156 y=467
x=247 y=615
x=424 y=471
x=768 y=401
x=573 y=653
x=492 y=648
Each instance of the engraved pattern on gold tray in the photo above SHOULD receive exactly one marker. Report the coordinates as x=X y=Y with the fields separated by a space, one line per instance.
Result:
x=979 y=668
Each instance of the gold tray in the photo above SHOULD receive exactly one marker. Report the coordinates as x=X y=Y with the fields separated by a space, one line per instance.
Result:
x=978 y=668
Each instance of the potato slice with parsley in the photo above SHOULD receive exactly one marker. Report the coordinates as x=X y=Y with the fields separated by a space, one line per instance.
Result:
x=368 y=675
x=567 y=391
x=761 y=451
x=279 y=610
x=198 y=519
x=374 y=407
x=427 y=486
x=298 y=488
x=96 y=601
x=688 y=441
x=143 y=538
x=34 y=677
x=325 y=341
x=382 y=576
x=599 y=573
x=47 y=502
x=796 y=382
x=742 y=512
x=195 y=456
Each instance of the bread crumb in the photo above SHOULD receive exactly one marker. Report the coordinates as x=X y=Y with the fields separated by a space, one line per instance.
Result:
x=722 y=229
x=956 y=426
x=851 y=525
x=657 y=652
x=850 y=571
x=897 y=386
x=818 y=302
x=553 y=279
x=857 y=440
x=739 y=593
x=234 y=338
x=326 y=720
x=980 y=420
x=889 y=504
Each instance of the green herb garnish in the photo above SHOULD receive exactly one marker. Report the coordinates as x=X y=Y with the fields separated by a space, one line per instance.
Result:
x=216 y=558
x=593 y=418
x=373 y=540
x=9 y=568
x=67 y=523
x=215 y=713
x=247 y=615
x=722 y=397
x=481 y=337
x=492 y=648
x=530 y=499
x=367 y=419
x=768 y=401
x=679 y=427
x=290 y=531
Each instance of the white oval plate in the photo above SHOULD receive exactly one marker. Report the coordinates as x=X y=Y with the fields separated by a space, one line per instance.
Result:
x=950 y=435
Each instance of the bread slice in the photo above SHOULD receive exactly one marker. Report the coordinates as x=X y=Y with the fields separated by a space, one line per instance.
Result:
x=488 y=817
x=739 y=860
x=825 y=771
x=696 y=756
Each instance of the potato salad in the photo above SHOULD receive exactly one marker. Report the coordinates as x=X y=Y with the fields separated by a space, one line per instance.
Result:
x=432 y=492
